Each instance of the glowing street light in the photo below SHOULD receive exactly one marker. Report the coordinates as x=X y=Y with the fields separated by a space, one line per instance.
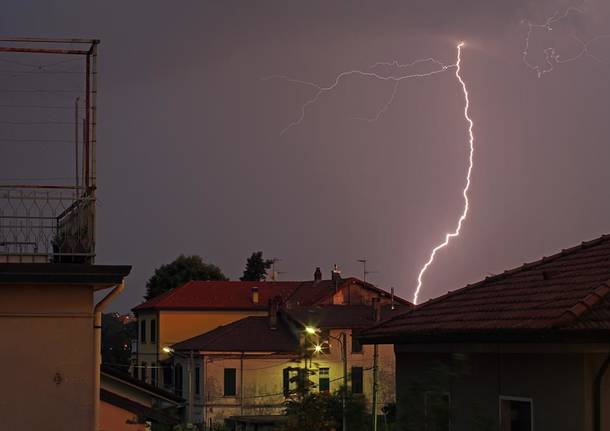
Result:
x=317 y=348
x=168 y=350
x=311 y=330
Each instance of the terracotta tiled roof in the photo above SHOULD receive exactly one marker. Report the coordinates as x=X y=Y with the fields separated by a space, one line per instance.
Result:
x=237 y=295
x=565 y=293
x=251 y=334
x=224 y=295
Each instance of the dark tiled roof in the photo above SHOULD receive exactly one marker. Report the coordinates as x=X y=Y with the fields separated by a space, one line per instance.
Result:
x=251 y=334
x=561 y=294
x=128 y=378
x=237 y=295
x=340 y=316
x=143 y=412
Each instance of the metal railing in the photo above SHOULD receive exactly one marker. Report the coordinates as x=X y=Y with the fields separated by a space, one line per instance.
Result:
x=48 y=124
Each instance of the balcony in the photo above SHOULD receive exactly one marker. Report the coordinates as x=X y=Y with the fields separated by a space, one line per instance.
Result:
x=48 y=165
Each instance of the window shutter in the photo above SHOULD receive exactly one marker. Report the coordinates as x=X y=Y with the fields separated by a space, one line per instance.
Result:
x=286 y=381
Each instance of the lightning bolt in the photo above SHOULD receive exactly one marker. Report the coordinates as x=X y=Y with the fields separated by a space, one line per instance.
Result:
x=551 y=57
x=462 y=218
x=436 y=68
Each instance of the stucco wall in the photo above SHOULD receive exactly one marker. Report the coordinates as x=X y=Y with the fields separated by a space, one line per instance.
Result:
x=46 y=357
x=263 y=380
x=559 y=383
x=113 y=418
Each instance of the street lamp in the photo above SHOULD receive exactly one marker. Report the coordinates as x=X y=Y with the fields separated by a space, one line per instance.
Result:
x=310 y=330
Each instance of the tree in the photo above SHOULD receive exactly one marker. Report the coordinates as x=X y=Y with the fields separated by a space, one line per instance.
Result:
x=256 y=267
x=324 y=412
x=181 y=270
x=116 y=340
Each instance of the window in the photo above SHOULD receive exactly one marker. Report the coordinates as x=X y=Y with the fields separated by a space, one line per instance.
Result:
x=324 y=380
x=291 y=380
x=197 y=380
x=153 y=374
x=143 y=332
x=167 y=376
x=516 y=414
x=230 y=389
x=178 y=380
x=356 y=346
x=143 y=375
x=153 y=331
x=357 y=384
x=438 y=410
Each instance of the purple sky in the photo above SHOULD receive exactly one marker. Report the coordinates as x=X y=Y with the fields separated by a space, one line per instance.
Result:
x=191 y=159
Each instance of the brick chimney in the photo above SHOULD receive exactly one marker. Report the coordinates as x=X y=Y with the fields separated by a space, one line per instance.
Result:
x=335 y=274
x=317 y=276
x=255 y=295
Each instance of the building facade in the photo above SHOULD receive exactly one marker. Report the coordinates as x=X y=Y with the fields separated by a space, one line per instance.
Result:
x=521 y=351
x=47 y=328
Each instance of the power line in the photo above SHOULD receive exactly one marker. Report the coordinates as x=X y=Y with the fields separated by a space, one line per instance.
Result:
x=20 y=123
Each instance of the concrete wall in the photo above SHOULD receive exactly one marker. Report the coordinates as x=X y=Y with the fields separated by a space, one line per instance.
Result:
x=558 y=381
x=46 y=357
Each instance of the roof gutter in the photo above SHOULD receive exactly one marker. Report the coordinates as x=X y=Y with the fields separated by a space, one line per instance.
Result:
x=97 y=349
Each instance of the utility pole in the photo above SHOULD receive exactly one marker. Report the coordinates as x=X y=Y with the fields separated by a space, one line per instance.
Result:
x=377 y=311
x=190 y=397
x=344 y=397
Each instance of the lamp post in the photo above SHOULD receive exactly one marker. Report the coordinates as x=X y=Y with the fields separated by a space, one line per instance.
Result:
x=318 y=349
x=189 y=373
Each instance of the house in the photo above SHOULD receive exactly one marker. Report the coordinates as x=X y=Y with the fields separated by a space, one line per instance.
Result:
x=128 y=404
x=49 y=349
x=201 y=306
x=242 y=373
x=524 y=350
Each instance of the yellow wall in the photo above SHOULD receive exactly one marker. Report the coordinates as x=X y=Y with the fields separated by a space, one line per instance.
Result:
x=176 y=326
x=46 y=357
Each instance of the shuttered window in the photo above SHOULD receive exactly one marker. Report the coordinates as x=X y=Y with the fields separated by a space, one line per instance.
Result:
x=357 y=384
x=230 y=387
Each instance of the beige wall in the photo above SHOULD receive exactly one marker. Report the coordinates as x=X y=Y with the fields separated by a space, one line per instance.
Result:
x=263 y=380
x=113 y=418
x=46 y=357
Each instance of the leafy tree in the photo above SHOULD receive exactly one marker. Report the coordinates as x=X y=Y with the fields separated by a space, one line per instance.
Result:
x=256 y=267
x=324 y=412
x=116 y=340
x=181 y=270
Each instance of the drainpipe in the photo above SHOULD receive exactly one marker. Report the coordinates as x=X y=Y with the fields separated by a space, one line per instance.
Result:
x=597 y=394
x=97 y=350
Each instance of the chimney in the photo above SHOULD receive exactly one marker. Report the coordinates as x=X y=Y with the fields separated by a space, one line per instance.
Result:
x=376 y=309
x=335 y=274
x=317 y=276
x=273 y=310
x=392 y=290
x=254 y=295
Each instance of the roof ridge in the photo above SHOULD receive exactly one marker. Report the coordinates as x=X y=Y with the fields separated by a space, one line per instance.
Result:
x=585 y=304
x=525 y=267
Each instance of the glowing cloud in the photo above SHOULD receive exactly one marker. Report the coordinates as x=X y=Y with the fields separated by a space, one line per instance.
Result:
x=437 y=67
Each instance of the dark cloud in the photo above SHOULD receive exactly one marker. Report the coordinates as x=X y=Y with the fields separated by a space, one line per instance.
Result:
x=191 y=161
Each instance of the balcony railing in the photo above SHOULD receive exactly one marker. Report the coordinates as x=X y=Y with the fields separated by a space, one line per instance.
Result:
x=51 y=224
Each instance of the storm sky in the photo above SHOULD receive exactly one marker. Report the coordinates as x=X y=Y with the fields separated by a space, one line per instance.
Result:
x=191 y=160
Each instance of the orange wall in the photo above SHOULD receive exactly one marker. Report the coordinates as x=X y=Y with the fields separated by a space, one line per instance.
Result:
x=177 y=326
x=113 y=418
